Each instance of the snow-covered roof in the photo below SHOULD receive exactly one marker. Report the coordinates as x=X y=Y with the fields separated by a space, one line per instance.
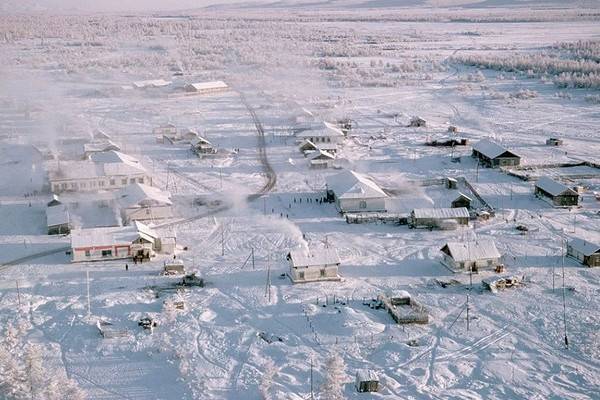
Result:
x=490 y=149
x=112 y=156
x=325 y=130
x=110 y=236
x=461 y=195
x=151 y=83
x=584 y=247
x=441 y=213
x=307 y=145
x=139 y=195
x=366 y=375
x=553 y=187
x=200 y=141
x=100 y=146
x=57 y=215
x=314 y=257
x=471 y=250
x=352 y=185
x=213 y=85
x=322 y=154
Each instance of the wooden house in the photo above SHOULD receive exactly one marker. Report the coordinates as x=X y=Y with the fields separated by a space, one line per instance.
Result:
x=587 y=253
x=203 y=147
x=555 y=193
x=471 y=255
x=354 y=192
x=58 y=219
x=136 y=241
x=321 y=159
x=313 y=265
x=462 y=201
x=103 y=171
x=441 y=218
x=491 y=154
x=417 y=122
x=366 y=381
x=142 y=202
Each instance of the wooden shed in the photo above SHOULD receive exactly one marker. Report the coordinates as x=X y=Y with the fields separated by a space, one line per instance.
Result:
x=471 y=255
x=462 y=201
x=587 y=253
x=366 y=381
x=553 y=141
x=491 y=154
x=555 y=193
x=312 y=265
x=441 y=218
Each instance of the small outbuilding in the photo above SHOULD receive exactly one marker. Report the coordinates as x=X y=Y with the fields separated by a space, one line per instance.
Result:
x=553 y=141
x=165 y=131
x=206 y=87
x=202 y=147
x=440 y=218
x=313 y=265
x=152 y=83
x=354 y=192
x=555 y=193
x=417 y=122
x=366 y=381
x=471 y=255
x=587 y=253
x=491 y=154
x=462 y=201
x=321 y=159
x=58 y=219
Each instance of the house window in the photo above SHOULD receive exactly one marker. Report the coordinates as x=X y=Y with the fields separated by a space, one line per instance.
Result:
x=147 y=211
x=362 y=204
x=124 y=181
x=132 y=180
x=461 y=265
x=55 y=188
x=141 y=180
x=88 y=253
x=101 y=183
x=63 y=186
x=83 y=185
x=322 y=272
x=300 y=275
x=106 y=253
x=73 y=185
x=112 y=182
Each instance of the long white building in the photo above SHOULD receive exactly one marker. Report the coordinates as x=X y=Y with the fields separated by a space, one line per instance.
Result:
x=103 y=171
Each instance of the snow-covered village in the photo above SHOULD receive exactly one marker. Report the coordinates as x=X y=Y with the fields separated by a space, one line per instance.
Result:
x=322 y=200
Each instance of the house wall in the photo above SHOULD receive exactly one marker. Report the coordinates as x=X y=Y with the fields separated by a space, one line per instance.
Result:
x=59 y=229
x=506 y=161
x=325 y=139
x=591 y=261
x=436 y=222
x=489 y=263
x=99 y=183
x=95 y=253
x=313 y=273
x=361 y=205
x=461 y=203
x=558 y=201
x=146 y=213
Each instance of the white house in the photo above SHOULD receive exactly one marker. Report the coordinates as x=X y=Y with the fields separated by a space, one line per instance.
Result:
x=206 y=87
x=321 y=159
x=136 y=241
x=143 y=202
x=471 y=255
x=103 y=171
x=326 y=133
x=354 y=192
x=312 y=265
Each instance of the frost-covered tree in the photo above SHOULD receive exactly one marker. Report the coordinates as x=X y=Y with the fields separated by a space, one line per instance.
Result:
x=333 y=386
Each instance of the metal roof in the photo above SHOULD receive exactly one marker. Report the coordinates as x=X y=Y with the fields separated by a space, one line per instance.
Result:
x=57 y=215
x=584 y=247
x=491 y=149
x=352 y=185
x=472 y=250
x=213 y=85
x=110 y=236
x=138 y=195
x=314 y=257
x=553 y=187
x=441 y=213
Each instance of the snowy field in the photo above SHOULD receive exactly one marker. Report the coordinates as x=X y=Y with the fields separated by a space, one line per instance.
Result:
x=64 y=77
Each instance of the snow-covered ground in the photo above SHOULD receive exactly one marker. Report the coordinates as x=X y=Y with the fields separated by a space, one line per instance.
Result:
x=63 y=77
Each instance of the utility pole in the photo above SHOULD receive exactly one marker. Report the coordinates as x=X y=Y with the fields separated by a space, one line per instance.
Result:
x=312 y=394
x=252 y=254
x=265 y=205
x=221 y=177
x=563 y=294
x=87 y=280
x=467 y=313
x=223 y=239
x=268 y=288
x=18 y=294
